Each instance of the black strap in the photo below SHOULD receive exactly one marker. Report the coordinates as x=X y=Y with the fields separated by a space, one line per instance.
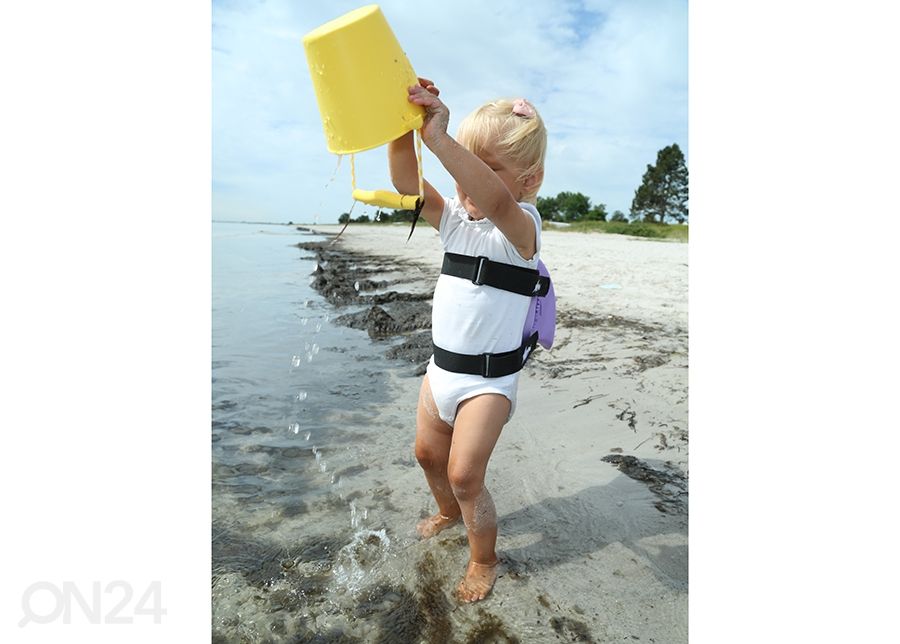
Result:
x=481 y=270
x=420 y=202
x=487 y=365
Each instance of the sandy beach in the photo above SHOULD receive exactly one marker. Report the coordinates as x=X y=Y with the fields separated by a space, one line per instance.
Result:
x=589 y=477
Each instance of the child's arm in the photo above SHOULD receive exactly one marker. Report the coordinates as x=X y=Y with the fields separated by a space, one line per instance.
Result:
x=405 y=172
x=483 y=186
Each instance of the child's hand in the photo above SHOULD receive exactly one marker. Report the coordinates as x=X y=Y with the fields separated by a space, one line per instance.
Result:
x=437 y=116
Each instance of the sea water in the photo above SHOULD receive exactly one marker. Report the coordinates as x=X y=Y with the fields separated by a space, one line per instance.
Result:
x=293 y=396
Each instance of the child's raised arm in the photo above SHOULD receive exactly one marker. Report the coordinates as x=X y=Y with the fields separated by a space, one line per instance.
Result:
x=405 y=172
x=473 y=175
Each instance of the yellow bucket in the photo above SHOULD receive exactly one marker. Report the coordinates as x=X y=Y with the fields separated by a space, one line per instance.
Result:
x=360 y=76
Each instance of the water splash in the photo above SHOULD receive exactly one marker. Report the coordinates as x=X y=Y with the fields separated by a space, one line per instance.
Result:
x=359 y=560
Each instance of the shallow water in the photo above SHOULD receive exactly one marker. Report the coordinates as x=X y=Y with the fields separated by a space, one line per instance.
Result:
x=291 y=400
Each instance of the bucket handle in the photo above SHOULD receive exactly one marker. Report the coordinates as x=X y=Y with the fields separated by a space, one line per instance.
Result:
x=386 y=199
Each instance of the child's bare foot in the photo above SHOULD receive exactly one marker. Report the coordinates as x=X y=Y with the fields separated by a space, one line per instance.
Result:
x=478 y=581
x=432 y=525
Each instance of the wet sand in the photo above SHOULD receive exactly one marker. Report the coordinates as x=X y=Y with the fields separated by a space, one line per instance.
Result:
x=589 y=477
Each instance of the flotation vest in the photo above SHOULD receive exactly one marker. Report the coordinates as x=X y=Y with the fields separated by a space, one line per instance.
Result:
x=540 y=323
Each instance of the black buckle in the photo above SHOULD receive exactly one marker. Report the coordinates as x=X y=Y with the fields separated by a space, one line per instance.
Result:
x=478 y=280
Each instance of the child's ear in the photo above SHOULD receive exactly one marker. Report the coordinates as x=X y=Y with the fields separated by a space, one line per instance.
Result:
x=534 y=179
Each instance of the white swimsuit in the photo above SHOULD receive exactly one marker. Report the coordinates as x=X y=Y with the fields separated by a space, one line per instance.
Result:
x=472 y=319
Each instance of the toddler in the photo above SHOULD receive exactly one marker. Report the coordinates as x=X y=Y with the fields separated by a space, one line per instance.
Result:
x=469 y=390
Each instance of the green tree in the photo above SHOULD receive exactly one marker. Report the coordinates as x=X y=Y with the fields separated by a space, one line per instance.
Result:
x=548 y=207
x=573 y=206
x=618 y=215
x=344 y=218
x=596 y=213
x=664 y=189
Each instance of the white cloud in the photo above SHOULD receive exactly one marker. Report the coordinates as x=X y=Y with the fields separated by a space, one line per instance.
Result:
x=609 y=78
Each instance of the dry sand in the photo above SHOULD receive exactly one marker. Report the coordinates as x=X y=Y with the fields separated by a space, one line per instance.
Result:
x=593 y=551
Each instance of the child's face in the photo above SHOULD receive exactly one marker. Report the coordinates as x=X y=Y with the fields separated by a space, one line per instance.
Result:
x=503 y=169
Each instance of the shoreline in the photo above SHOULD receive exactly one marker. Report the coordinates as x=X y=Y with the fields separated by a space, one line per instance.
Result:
x=590 y=475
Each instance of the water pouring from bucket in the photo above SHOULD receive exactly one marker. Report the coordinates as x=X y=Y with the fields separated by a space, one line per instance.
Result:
x=360 y=76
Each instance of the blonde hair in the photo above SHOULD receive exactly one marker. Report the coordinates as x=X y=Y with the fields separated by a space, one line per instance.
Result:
x=518 y=132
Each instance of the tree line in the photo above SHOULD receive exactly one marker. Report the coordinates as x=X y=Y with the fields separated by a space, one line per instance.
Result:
x=662 y=196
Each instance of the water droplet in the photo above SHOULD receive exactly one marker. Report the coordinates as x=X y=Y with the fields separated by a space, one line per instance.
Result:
x=295 y=361
x=315 y=349
x=323 y=466
x=302 y=395
x=304 y=321
x=306 y=436
x=295 y=427
x=356 y=286
x=318 y=326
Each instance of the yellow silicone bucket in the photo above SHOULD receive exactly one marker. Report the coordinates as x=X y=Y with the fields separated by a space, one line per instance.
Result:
x=360 y=76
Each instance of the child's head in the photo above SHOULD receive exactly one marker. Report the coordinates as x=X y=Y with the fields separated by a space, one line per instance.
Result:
x=511 y=130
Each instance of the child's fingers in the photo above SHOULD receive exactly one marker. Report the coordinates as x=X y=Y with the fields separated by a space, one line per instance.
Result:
x=429 y=85
x=421 y=96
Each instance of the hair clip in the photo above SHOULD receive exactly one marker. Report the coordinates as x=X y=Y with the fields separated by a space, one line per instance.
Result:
x=523 y=108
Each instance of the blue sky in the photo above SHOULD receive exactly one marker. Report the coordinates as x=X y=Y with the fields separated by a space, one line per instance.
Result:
x=610 y=79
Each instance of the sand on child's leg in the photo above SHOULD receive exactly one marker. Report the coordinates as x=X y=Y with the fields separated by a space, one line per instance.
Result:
x=478 y=425
x=433 y=440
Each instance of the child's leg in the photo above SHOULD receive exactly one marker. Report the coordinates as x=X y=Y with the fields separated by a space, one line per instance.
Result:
x=479 y=421
x=433 y=438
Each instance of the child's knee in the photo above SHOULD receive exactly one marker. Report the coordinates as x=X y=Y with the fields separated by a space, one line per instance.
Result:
x=466 y=482
x=428 y=457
